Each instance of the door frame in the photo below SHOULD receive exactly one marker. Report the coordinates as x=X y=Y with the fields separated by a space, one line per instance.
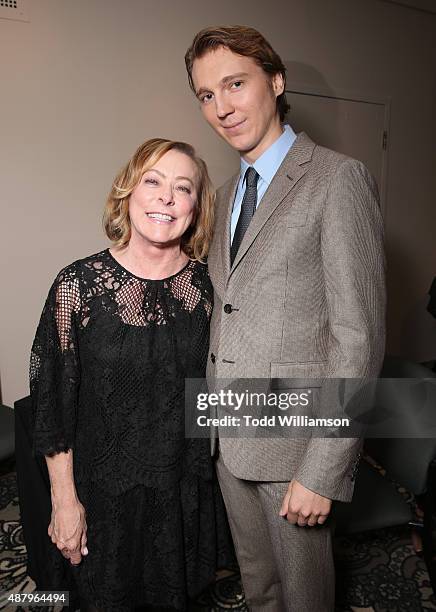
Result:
x=341 y=94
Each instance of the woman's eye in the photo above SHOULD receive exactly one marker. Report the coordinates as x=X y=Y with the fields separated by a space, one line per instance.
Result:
x=184 y=188
x=150 y=181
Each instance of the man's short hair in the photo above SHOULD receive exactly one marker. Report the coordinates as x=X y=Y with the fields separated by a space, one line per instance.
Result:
x=243 y=41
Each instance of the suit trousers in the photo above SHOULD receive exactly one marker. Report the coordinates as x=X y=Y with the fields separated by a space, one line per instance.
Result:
x=284 y=567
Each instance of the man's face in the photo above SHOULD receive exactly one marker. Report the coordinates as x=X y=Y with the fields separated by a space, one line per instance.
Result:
x=238 y=100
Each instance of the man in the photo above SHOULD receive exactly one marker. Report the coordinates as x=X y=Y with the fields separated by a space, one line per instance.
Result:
x=298 y=272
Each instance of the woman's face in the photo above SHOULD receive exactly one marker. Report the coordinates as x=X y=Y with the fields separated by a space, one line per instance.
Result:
x=162 y=205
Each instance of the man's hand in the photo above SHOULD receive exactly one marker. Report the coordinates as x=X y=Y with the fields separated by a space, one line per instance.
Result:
x=304 y=507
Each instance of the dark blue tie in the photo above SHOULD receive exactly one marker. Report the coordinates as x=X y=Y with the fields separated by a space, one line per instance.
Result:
x=248 y=208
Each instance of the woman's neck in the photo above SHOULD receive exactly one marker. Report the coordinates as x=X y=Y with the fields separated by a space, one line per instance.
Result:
x=149 y=261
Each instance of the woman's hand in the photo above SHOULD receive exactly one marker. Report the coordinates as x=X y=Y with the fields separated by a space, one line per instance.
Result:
x=67 y=530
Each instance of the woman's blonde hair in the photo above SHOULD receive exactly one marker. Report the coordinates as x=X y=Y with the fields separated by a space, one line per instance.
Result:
x=116 y=221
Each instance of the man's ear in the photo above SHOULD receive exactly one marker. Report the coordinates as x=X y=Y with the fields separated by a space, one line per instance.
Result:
x=278 y=84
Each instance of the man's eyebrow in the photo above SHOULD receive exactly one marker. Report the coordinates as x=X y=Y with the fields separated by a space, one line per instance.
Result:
x=178 y=178
x=224 y=81
x=232 y=77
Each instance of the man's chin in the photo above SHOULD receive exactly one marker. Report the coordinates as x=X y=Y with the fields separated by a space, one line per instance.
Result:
x=238 y=143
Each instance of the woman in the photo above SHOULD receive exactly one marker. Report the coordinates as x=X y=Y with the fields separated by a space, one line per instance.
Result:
x=134 y=504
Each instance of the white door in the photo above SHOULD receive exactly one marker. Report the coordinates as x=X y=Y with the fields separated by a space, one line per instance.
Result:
x=353 y=127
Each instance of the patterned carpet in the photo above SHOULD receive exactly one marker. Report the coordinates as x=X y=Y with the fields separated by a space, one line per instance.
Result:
x=377 y=572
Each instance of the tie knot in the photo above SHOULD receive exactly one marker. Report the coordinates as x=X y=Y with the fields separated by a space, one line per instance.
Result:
x=251 y=177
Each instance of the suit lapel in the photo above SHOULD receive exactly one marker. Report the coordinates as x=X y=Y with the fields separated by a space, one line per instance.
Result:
x=219 y=260
x=293 y=167
x=227 y=200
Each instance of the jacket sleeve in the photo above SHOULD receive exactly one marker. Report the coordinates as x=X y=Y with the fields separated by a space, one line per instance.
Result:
x=354 y=276
x=54 y=368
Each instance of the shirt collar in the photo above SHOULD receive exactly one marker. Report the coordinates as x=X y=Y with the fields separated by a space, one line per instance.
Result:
x=268 y=163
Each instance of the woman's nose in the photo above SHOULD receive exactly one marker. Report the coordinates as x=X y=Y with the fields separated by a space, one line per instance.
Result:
x=167 y=196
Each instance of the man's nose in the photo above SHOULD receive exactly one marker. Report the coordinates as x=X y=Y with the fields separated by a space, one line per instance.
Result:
x=223 y=106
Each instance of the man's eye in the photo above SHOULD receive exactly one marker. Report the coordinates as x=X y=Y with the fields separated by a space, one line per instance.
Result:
x=206 y=98
x=236 y=84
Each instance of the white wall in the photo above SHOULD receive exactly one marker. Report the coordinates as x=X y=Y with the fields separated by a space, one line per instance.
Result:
x=86 y=81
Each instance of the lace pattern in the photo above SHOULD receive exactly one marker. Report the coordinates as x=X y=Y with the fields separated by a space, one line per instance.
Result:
x=107 y=371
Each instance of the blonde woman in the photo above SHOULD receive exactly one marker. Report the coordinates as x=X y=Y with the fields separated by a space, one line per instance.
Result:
x=134 y=504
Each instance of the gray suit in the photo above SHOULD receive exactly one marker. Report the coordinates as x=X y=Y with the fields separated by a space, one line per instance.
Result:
x=305 y=298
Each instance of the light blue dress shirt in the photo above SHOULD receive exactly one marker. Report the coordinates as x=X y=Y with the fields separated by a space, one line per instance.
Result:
x=266 y=166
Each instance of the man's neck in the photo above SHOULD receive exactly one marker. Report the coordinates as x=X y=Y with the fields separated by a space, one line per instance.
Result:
x=274 y=133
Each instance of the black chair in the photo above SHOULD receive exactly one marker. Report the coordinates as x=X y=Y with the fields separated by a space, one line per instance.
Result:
x=409 y=461
x=49 y=571
x=7 y=438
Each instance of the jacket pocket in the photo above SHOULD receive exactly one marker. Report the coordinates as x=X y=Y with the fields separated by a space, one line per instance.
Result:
x=296 y=375
x=296 y=218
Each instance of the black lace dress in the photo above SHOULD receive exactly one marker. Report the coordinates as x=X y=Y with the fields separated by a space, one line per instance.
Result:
x=107 y=373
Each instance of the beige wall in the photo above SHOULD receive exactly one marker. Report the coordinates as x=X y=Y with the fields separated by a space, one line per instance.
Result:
x=86 y=81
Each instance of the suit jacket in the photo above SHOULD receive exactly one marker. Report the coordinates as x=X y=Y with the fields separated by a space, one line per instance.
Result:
x=305 y=298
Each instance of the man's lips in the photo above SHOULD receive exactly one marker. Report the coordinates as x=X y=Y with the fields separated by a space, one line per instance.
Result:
x=234 y=127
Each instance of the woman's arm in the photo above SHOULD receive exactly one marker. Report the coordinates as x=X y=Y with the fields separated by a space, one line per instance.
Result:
x=67 y=528
x=54 y=383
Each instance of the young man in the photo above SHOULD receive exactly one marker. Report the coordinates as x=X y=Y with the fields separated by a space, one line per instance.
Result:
x=298 y=271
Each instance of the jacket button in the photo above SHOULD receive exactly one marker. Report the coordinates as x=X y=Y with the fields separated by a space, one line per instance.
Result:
x=228 y=308
x=212 y=358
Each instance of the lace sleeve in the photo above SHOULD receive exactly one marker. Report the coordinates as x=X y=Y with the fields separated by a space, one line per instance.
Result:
x=54 y=368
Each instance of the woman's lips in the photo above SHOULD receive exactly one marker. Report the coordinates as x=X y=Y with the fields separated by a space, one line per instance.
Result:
x=160 y=217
